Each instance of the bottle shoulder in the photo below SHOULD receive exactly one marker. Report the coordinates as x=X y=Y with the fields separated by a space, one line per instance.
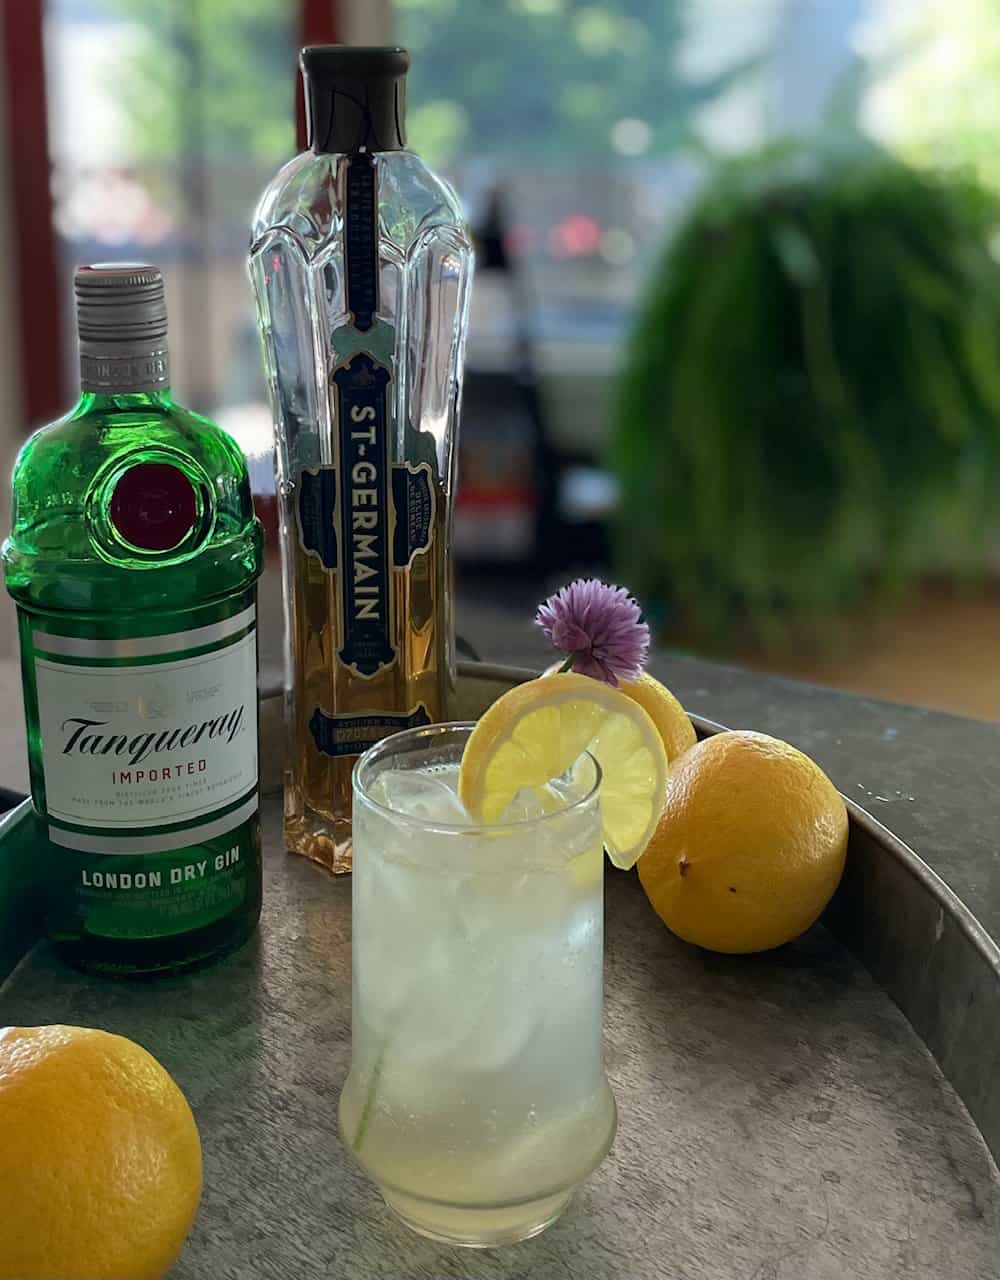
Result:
x=305 y=200
x=64 y=478
x=86 y=439
x=409 y=180
x=296 y=181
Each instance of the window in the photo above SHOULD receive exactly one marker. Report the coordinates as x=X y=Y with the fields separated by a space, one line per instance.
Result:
x=595 y=120
x=166 y=119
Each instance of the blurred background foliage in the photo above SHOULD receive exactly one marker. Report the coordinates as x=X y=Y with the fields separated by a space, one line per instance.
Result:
x=209 y=81
x=546 y=77
x=549 y=77
x=935 y=83
x=809 y=412
x=495 y=76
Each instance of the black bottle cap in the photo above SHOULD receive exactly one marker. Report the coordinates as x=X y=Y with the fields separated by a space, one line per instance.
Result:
x=355 y=97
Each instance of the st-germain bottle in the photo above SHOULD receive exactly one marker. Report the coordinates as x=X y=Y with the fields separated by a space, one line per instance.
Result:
x=134 y=558
x=361 y=263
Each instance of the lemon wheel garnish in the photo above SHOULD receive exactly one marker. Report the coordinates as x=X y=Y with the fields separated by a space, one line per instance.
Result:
x=538 y=730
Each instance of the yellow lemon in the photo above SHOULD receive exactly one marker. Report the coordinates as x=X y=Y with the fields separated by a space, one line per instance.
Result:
x=538 y=730
x=100 y=1161
x=750 y=845
x=665 y=711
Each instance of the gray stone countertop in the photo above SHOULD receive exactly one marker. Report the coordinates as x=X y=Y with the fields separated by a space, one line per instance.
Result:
x=779 y=1119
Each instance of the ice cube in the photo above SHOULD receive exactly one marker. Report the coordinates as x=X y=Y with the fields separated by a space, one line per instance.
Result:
x=416 y=794
x=535 y=802
x=528 y=803
x=576 y=783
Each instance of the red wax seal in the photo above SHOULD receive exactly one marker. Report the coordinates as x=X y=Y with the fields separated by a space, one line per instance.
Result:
x=153 y=506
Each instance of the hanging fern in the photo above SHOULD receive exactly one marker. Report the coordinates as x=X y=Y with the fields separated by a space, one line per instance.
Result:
x=810 y=406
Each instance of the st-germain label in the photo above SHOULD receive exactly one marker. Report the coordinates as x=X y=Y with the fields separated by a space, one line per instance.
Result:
x=316 y=507
x=351 y=735
x=414 y=500
x=365 y=578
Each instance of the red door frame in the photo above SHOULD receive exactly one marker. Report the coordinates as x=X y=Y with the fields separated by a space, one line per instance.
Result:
x=34 y=261
x=319 y=23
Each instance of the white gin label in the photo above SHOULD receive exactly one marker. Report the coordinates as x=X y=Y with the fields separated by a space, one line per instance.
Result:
x=161 y=741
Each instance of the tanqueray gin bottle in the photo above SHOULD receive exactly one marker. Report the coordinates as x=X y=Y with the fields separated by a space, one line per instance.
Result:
x=133 y=559
x=361 y=264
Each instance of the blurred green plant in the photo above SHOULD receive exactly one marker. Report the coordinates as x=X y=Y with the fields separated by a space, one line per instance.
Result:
x=212 y=78
x=809 y=414
x=208 y=91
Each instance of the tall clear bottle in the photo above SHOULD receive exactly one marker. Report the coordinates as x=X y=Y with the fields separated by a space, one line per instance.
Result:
x=361 y=263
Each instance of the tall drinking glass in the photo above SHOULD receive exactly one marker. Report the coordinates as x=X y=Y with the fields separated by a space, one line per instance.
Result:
x=477 y=1098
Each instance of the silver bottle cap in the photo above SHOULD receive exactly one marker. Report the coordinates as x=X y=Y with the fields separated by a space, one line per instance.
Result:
x=121 y=315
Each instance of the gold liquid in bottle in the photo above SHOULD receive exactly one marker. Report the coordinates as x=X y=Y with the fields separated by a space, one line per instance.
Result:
x=318 y=785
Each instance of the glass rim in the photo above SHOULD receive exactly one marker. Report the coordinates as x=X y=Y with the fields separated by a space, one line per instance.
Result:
x=471 y=826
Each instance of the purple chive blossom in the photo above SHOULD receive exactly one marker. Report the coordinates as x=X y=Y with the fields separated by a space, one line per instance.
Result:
x=599 y=628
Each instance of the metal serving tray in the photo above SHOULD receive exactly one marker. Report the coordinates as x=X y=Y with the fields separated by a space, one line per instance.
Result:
x=780 y=1118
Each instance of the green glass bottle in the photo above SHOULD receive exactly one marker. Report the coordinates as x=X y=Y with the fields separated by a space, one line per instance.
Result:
x=133 y=559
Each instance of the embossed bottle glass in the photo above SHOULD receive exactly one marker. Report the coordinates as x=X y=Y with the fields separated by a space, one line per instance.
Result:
x=361 y=264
